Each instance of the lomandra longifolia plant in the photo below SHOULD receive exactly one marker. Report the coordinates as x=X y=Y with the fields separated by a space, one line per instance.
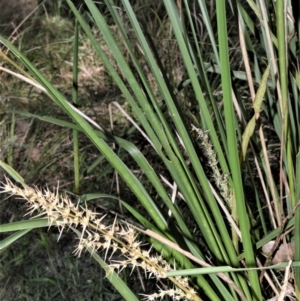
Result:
x=118 y=238
x=196 y=193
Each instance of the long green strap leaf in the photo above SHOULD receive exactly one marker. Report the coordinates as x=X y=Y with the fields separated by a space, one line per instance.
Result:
x=12 y=238
x=230 y=121
x=103 y=147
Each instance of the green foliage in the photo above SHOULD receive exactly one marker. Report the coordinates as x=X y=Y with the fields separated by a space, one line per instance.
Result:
x=214 y=208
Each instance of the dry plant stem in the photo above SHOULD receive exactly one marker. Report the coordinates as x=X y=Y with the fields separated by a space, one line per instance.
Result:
x=226 y=212
x=170 y=243
x=22 y=77
x=192 y=257
x=271 y=179
x=278 y=238
x=96 y=235
x=179 y=194
x=236 y=106
x=134 y=123
x=252 y=92
x=269 y=280
x=246 y=61
x=285 y=282
x=264 y=187
x=32 y=82
x=173 y=197
x=279 y=95
x=271 y=48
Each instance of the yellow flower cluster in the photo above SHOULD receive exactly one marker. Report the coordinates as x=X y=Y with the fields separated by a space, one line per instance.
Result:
x=221 y=180
x=62 y=212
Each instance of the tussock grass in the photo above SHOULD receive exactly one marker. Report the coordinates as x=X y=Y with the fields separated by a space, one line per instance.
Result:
x=201 y=183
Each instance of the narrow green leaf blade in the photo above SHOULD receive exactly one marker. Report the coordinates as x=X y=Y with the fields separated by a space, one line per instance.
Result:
x=24 y=225
x=12 y=238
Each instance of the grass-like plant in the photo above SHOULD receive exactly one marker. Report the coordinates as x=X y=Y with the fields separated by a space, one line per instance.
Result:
x=208 y=228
